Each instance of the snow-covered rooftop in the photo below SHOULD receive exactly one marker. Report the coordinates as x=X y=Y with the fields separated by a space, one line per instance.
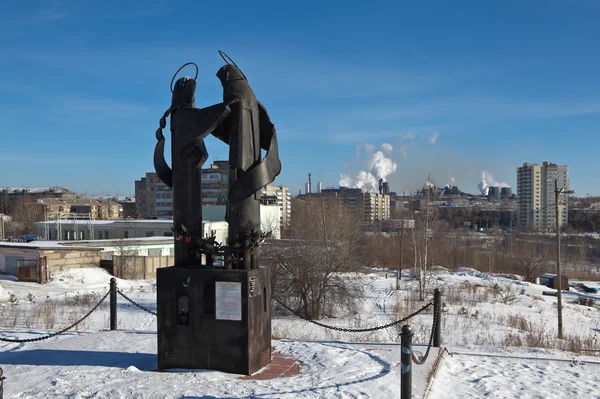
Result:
x=34 y=190
x=87 y=244
x=44 y=245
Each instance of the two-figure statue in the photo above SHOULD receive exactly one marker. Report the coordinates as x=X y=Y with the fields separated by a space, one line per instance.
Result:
x=243 y=123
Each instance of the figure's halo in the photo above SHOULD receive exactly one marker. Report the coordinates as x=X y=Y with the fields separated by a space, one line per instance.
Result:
x=179 y=70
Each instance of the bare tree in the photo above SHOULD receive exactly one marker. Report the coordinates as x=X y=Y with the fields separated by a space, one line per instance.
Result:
x=529 y=257
x=309 y=269
x=423 y=237
x=24 y=213
x=124 y=257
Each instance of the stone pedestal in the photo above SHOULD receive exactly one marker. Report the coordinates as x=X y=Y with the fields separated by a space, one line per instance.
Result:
x=214 y=319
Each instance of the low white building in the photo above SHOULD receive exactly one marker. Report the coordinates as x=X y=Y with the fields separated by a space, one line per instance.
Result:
x=214 y=216
x=85 y=230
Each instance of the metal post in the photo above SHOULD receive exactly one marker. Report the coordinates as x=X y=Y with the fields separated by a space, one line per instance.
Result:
x=437 y=315
x=559 y=288
x=406 y=362
x=113 y=304
x=2 y=378
x=557 y=193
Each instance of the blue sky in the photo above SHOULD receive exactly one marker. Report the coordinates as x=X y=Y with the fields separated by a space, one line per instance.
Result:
x=497 y=83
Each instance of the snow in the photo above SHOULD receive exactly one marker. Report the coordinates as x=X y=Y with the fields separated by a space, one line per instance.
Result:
x=478 y=327
x=524 y=374
x=122 y=364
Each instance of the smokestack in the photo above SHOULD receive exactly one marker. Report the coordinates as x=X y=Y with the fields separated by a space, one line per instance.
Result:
x=319 y=187
x=386 y=188
x=309 y=184
x=306 y=190
x=380 y=186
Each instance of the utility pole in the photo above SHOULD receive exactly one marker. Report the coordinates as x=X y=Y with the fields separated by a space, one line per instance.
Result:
x=557 y=193
x=399 y=274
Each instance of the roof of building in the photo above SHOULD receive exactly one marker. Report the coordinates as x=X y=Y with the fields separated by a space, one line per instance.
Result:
x=46 y=245
x=82 y=201
x=88 y=244
x=34 y=190
x=117 y=198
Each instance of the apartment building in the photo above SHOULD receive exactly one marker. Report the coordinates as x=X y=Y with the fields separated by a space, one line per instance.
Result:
x=80 y=208
x=368 y=206
x=215 y=183
x=280 y=196
x=536 y=196
x=376 y=207
x=154 y=199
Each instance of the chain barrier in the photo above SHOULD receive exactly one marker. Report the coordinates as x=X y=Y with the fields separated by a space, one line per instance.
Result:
x=423 y=358
x=357 y=330
x=145 y=309
x=58 y=332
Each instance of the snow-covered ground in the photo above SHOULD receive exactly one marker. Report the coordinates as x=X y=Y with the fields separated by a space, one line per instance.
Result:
x=119 y=364
x=498 y=316
x=518 y=373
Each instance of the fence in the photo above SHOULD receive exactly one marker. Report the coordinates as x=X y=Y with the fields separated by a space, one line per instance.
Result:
x=407 y=355
x=136 y=267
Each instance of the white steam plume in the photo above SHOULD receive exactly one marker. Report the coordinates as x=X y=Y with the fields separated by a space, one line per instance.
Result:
x=451 y=180
x=379 y=166
x=488 y=181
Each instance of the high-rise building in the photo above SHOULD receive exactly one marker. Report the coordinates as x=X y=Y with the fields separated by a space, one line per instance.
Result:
x=215 y=183
x=154 y=199
x=369 y=207
x=536 y=195
x=280 y=196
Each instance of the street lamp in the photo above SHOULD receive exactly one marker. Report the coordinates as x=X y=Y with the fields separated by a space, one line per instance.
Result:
x=557 y=193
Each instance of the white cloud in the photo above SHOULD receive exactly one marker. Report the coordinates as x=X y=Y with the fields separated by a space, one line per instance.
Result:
x=433 y=138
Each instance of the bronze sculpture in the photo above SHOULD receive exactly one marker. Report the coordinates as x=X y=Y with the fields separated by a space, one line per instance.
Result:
x=208 y=317
x=243 y=123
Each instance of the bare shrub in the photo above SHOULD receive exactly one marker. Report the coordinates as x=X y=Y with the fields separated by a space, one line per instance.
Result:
x=519 y=322
x=536 y=336
x=512 y=339
x=505 y=291
x=310 y=270
x=83 y=299
x=586 y=301
x=42 y=315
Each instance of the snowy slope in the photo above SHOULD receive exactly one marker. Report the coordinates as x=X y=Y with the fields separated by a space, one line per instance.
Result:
x=88 y=362
x=118 y=364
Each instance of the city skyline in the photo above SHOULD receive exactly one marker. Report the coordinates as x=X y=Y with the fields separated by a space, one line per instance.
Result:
x=455 y=92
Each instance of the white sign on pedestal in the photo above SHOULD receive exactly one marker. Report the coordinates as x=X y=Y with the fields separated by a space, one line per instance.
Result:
x=228 y=295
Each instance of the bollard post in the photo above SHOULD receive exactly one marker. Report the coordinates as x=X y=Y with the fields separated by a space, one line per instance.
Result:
x=406 y=362
x=2 y=378
x=113 y=304
x=437 y=315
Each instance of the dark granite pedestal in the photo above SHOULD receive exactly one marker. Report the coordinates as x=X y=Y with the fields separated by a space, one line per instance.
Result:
x=214 y=319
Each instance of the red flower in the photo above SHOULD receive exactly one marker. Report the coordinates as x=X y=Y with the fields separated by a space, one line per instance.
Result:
x=188 y=239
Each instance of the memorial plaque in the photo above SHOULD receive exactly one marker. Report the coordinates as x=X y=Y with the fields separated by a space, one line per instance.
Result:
x=228 y=300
